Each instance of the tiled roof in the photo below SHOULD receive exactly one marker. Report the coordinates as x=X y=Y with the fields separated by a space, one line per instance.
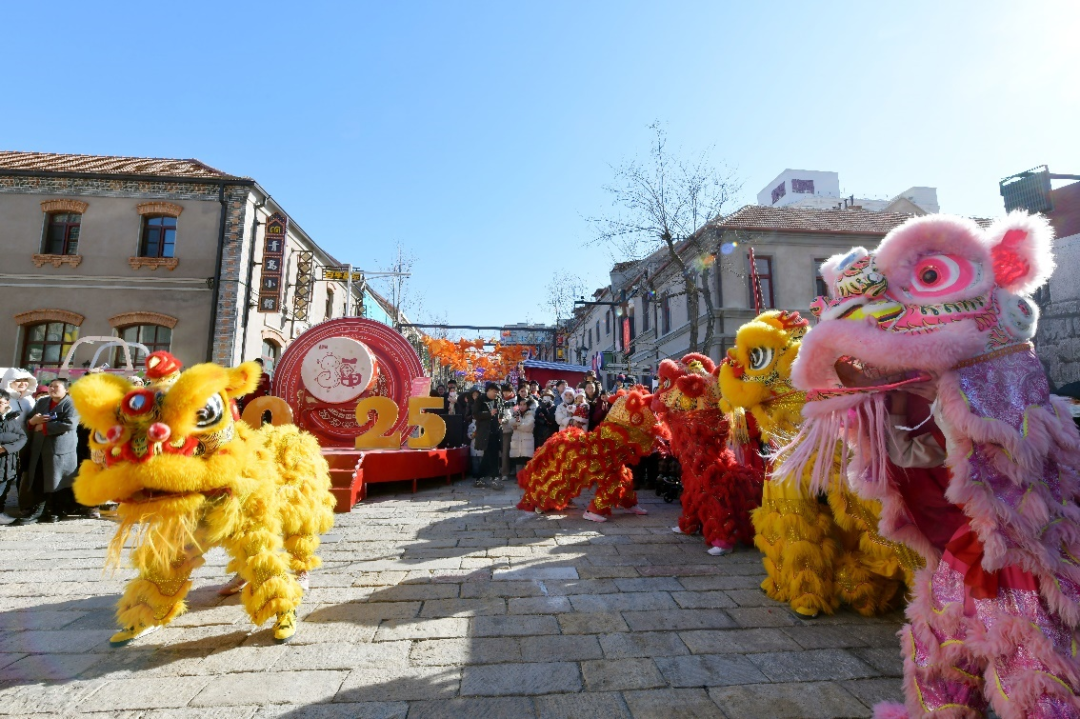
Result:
x=791 y=219
x=108 y=165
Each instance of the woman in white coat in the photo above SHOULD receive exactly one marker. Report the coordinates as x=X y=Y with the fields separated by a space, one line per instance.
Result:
x=565 y=411
x=522 y=444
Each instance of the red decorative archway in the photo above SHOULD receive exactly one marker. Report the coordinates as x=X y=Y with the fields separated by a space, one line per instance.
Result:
x=400 y=375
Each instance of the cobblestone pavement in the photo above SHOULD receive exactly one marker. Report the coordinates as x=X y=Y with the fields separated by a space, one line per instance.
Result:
x=446 y=603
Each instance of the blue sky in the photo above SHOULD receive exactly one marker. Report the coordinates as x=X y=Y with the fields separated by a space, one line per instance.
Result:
x=481 y=134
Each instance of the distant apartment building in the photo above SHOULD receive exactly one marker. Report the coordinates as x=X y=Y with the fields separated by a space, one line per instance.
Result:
x=173 y=254
x=816 y=189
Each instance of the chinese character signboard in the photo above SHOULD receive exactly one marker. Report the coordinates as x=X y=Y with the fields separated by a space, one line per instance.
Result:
x=341 y=274
x=273 y=260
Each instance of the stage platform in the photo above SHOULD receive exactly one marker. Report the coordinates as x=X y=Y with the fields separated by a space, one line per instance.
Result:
x=351 y=470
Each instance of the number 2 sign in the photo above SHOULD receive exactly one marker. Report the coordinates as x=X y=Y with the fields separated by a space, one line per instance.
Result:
x=432 y=427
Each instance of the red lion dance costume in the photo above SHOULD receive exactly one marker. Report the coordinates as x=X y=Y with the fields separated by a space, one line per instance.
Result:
x=572 y=460
x=718 y=493
x=941 y=307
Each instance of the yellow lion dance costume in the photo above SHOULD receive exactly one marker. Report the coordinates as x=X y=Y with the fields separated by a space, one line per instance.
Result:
x=816 y=555
x=189 y=476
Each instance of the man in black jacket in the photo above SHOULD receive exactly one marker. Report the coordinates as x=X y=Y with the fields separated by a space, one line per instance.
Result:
x=12 y=439
x=488 y=433
x=545 y=424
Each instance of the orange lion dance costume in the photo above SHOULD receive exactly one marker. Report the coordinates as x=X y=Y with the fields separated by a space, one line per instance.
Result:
x=572 y=460
x=718 y=493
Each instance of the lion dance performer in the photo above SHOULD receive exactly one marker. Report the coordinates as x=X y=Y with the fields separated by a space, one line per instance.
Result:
x=816 y=555
x=718 y=493
x=189 y=476
x=941 y=308
x=572 y=460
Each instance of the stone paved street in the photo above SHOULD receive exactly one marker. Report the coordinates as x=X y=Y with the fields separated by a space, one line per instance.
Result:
x=446 y=603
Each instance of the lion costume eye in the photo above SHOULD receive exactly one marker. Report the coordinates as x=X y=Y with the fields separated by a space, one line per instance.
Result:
x=100 y=438
x=938 y=275
x=211 y=413
x=760 y=358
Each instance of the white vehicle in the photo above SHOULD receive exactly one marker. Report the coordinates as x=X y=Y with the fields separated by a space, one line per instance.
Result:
x=46 y=374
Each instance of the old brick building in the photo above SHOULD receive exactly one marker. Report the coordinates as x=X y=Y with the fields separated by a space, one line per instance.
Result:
x=168 y=253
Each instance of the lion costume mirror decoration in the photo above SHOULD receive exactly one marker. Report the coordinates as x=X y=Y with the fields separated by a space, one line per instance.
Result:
x=188 y=476
x=941 y=309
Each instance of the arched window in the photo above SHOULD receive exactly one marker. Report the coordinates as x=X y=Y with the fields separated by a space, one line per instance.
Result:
x=155 y=337
x=47 y=343
x=62 y=233
x=271 y=350
x=158 y=236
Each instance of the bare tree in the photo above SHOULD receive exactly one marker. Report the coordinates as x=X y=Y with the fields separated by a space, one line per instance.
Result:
x=664 y=204
x=401 y=295
x=563 y=290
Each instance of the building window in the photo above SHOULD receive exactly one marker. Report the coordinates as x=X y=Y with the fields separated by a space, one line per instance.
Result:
x=590 y=339
x=158 y=237
x=778 y=192
x=62 y=233
x=645 y=313
x=155 y=337
x=607 y=323
x=820 y=288
x=665 y=314
x=47 y=344
x=763 y=264
x=598 y=330
x=804 y=187
x=328 y=311
x=271 y=350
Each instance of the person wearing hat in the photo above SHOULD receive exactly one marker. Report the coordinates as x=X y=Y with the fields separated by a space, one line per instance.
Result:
x=12 y=439
x=564 y=412
x=544 y=424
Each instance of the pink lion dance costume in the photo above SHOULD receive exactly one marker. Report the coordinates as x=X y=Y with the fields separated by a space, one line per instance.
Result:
x=718 y=493
x=941 y=306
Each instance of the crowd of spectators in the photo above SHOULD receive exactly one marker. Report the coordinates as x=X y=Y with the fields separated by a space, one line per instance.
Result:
x=506 y=425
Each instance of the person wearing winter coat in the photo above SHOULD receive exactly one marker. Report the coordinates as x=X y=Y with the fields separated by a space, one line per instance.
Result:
x=22 y=385
x=509 y=403
x=12 y=439
x=488 y=436
x=53 y=454
x=598 y=404
x=564 y=412
x=522 y=421
x=545 y=424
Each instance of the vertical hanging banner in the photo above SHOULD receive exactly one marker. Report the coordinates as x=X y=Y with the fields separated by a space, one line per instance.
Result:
x=273 y=259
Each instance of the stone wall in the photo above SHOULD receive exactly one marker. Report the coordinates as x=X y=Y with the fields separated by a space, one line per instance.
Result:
x=1058 y=338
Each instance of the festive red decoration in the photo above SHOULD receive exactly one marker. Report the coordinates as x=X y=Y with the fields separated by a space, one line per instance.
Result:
x=572 y=460
x=718 y=492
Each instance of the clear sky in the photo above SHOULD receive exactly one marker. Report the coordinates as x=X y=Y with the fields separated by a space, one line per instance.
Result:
x=481 y=134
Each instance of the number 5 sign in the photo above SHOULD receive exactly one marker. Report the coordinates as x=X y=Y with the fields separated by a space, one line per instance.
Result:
x=432 y=427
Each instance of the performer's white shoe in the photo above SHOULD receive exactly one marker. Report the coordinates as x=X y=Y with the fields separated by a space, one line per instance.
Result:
x=594 y=517
x=637 y=509
x=720 y=551
x=676 y=530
